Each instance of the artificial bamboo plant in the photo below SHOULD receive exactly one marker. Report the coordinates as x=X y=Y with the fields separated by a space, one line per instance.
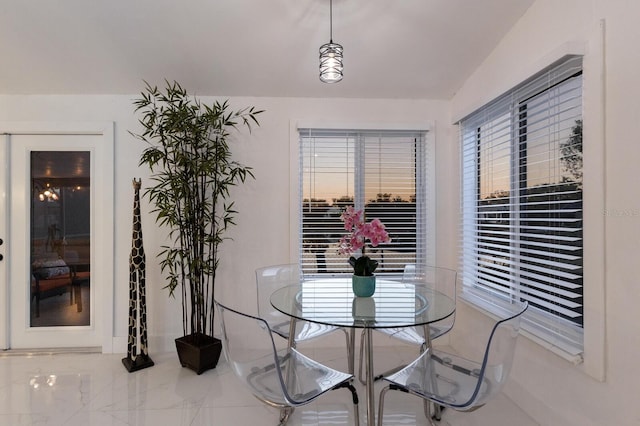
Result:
x=192 y=171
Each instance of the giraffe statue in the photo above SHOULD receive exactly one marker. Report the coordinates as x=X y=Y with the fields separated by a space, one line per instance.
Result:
x=137 y=294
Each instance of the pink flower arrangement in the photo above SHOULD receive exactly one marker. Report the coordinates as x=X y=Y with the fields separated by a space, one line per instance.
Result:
x=359 y=232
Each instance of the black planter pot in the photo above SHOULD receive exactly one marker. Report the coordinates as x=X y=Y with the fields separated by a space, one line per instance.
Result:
x=198 y=351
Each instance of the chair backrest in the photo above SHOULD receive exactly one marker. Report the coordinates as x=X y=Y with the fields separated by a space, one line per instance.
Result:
x=435 y=277
x=499 y=353
x=252 y=355
x=443 y=280
x=279 y=377
x=463 y=383
x=494 y=368
x=268 y=280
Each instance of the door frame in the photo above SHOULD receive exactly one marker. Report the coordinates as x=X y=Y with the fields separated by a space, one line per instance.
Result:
x=104 y=216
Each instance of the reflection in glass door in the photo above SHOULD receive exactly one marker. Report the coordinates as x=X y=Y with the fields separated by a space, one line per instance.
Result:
x=60 y=243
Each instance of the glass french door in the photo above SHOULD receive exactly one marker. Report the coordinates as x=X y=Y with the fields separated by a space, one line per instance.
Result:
x=54 y=209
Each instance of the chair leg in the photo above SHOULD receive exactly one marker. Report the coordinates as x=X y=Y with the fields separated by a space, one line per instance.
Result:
x=351 y=348
x=360 y=378
x=437 y=411
x=354 y=397
x=356 y=408
x=427 y=413
x=383 y=392
x=426 y=404
x=285 y=413
x=356 y=414
x=436 y=414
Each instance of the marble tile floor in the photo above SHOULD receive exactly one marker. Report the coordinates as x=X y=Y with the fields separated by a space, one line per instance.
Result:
x=84 y=389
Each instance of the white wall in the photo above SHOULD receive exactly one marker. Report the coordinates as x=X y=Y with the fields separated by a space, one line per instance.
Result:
x=552 y=390
x=262 y=236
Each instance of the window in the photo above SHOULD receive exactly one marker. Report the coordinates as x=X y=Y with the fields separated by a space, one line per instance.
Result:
x=522 y=233
x=382 y=172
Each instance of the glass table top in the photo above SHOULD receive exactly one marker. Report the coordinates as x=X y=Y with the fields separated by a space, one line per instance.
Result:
x=331 y=301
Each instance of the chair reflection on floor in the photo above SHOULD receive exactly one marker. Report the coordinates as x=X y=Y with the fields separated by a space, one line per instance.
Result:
x=451 y=381
x=282 y=378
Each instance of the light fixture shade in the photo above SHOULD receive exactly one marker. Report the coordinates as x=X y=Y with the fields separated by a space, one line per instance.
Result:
x=331 y=62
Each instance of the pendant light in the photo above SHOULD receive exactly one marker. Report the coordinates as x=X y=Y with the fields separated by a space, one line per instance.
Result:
x=330 y=56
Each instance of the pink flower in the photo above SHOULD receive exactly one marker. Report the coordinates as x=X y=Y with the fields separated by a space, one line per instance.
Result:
x=360 y=231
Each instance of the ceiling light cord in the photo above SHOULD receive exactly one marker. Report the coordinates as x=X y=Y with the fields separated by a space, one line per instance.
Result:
x=330 y=21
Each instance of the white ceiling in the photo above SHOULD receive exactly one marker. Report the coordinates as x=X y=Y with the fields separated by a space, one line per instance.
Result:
x=392 y=48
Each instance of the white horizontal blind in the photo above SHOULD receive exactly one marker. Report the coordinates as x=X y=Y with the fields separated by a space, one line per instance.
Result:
x=382 y=172
x=522 y=203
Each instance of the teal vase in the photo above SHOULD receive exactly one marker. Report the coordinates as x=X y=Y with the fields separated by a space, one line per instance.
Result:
x=363 y=286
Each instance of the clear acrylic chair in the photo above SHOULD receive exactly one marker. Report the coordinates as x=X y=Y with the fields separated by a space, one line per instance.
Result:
x=449 y=380
x=281 y=378
x=271 y=278
x=437 y=278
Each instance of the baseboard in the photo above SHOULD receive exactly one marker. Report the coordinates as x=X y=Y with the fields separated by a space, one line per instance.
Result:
x=50 y=351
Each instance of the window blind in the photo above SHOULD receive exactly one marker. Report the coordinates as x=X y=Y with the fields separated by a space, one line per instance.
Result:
x=383 y=173
x=521 y=226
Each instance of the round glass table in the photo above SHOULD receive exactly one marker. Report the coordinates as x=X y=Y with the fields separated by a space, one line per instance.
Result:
x=394 y=304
